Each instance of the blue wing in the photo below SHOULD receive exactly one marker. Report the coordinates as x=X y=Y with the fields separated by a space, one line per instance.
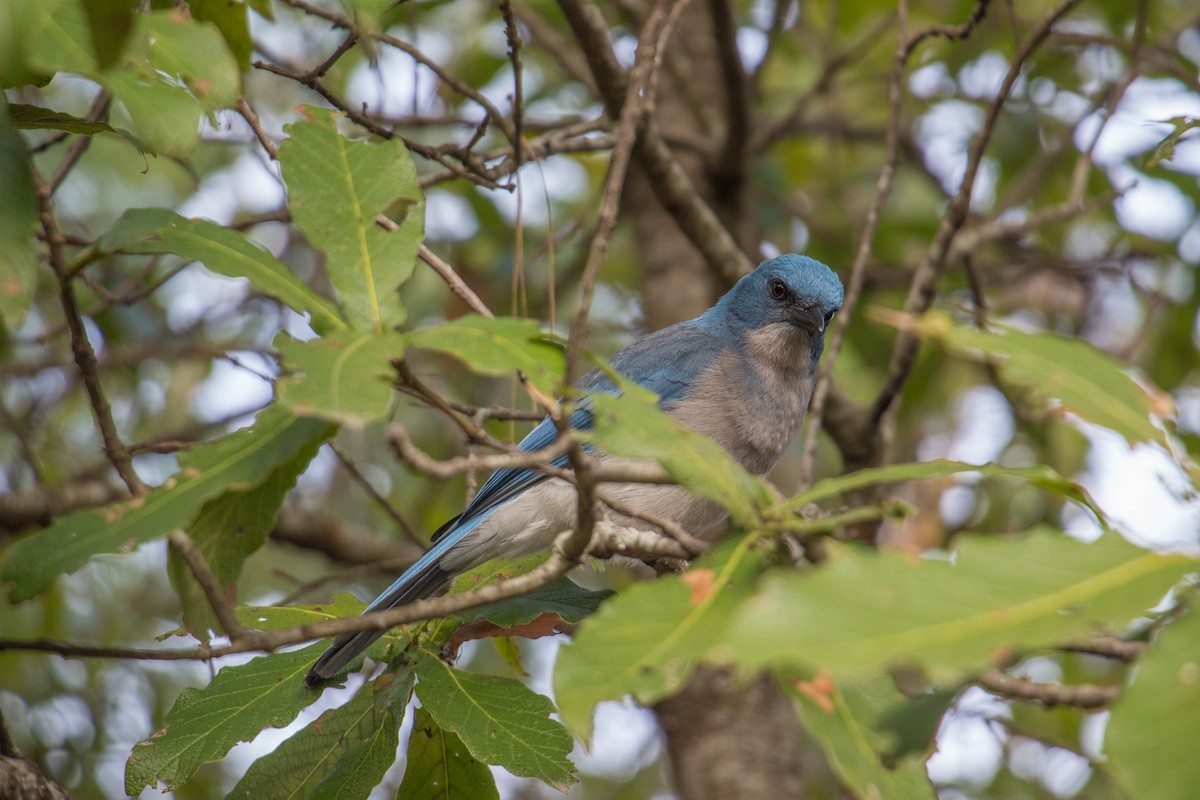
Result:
x=665 y=362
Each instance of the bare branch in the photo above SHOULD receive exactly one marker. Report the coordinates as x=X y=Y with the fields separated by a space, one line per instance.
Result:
x=1083 y=695
x=209 y=584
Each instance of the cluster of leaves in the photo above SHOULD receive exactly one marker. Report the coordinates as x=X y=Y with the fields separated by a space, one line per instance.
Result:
x=830 y=635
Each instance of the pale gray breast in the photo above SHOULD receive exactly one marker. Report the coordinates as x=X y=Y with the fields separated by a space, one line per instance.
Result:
x=752 y=402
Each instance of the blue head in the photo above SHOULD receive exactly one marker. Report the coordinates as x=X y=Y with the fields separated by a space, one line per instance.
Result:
x=791 y=289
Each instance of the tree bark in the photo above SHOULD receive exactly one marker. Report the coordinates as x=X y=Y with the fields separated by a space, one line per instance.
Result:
x=20 y=778
x=731 y=742
x=724 y=741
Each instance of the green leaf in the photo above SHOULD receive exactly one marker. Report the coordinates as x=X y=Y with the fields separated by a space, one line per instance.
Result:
x=498 y=346
x=647 y=640
x=345 y=377
x=223 y=251
x=193 y=53
x=58 y=37
x=19 y=21
x=500 y=720
x=273 y=618
x=229 y=528
x=439 y=766
x=570 y=601
x=205 y=723
x=631 y=425
x=1151 y=738
x=1041 y=476
x=18 y=214
x=865 y=609
x=26 y=117
x=1087 y=381
x=294 y=769
x=336 y=189
x=372 y=743
x=165 y=117
x=238 y=460
x=110 y=23
x=844 y=719
x=231 y=19
x=174 y=70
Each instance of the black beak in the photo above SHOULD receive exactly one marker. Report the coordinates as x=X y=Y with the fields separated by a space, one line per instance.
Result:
x=810 y=319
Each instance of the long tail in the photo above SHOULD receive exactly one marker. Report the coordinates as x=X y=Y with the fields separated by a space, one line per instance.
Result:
x=418 y=581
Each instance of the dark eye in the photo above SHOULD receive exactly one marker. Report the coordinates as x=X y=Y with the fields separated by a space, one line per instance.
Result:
x=779 y=290
x=828 y=318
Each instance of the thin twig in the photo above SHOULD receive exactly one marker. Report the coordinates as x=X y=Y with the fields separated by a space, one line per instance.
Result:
x=1084 y=695
x=81 y=349
x=637 y=95
x=456 y=284
x=248 y=114
x=221 y=605
x=405 y=526
x=922 y=289
x=866 y=243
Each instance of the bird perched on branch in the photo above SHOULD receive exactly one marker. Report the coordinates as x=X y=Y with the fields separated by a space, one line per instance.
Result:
x=741 y=373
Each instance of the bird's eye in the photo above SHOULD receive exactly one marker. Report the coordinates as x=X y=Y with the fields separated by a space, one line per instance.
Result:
x=828 y=318
x=779 y=290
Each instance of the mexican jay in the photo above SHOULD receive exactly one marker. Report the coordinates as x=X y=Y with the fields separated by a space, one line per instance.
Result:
x=741 y=373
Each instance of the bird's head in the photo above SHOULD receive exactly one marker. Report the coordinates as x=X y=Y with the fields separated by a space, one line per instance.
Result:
x=791 y=289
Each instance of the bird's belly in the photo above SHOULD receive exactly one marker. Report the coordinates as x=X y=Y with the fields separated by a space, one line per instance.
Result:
x=529 y=523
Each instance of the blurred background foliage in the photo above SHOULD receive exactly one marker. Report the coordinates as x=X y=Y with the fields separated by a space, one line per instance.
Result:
x=1099 y=131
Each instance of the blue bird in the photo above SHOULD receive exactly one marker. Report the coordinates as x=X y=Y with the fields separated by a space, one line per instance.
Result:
x=741 y=373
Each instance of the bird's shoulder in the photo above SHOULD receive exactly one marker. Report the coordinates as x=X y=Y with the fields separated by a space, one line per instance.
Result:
x=666 y=362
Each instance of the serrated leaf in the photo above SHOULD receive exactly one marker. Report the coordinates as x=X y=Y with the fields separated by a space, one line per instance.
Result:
x=372 y=743
x=844 y=719
x=563 y=598
x=272 y=618
x=223 y=251
x=647 y=640
x=294 y=769
x=863 y=610
x=1151 y=738
x=498 y=346
x=27 y=117
x=343 y=604
x=500 y=720
x=631 y=425
x=1041 y=476
x=1087 y=381
x=18 y=214
x=238 y=460
x=345 y=377
x=205 y=723
x=336 y=189
x=439 y=766
x=229 y=528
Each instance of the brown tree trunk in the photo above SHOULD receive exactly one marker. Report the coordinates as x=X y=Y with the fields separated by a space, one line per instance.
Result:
x=724 y=741
x=20 y=778
x=731 y=742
